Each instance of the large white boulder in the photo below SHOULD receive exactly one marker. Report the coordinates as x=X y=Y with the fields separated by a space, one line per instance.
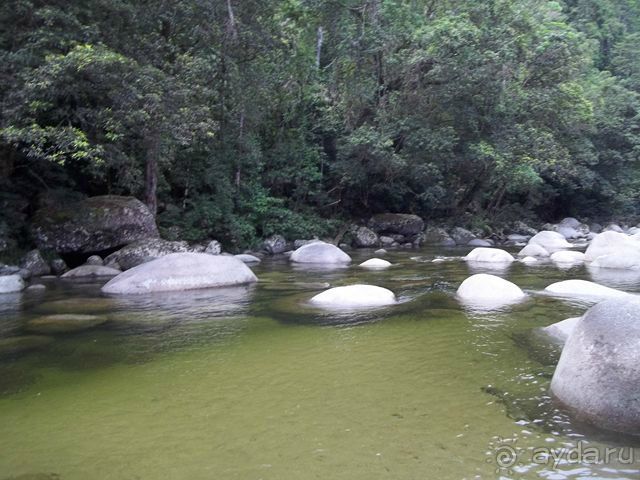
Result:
x=550 y=241
x=533 y=250
x=484 y=290
x=320 y=253
x=610 y=243
x=598 y=374
x=566 y=256
x=618 y=261
x=561 y=331
x=354 y=296
x=584 y=288
x=489 y=255
x=181 y=271
x=11 y=283
x=376 y=263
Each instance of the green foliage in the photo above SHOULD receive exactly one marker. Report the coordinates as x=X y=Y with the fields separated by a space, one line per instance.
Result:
x=249 y=118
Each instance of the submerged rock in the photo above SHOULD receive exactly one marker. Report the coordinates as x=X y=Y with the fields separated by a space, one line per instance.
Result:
x=94 y=224
x=24 y=343
x=64 y=323
x=320 y=253
x=78 y=305
x=181 y=271
x=355 y=296
x=489 y=291
x=91 y=271
x=598 y=373
x=11 y=283
x=489 y=255
x=584 y=288
x=376 y=263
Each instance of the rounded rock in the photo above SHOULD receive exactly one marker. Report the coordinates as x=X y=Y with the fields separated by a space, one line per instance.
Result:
x=355 y=296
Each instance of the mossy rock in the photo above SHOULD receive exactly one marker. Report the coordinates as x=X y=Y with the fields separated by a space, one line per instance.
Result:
x=64 y=323
x=24 y=343
x=92 y=225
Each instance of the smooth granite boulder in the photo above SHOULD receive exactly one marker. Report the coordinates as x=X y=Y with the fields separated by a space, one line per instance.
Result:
x=584 y=288
x=375 y=263
x=489 y=291
x=489 y=255
x=181 y=271
x=320 y=253
x=354 y=296
x=598 y=374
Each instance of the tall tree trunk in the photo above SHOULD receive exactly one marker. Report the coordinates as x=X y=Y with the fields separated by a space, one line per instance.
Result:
x=319 y=46
x=151 y=173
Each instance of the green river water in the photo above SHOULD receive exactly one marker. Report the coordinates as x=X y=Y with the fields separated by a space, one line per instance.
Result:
x=252 y=383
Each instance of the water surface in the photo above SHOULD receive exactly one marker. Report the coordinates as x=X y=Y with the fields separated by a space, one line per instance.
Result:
x=252 y=383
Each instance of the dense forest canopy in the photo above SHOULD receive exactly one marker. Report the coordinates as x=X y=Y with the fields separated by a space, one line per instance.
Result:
x=238 y=119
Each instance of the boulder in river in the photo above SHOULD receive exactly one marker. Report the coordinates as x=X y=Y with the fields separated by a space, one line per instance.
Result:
x=397 y=223
x=584 y=288
x=618 y=261
x=34 y=262
x=533 y=250
x=561 y=331
x=91 y=271
x=376 y=263
x=484 y=290
x=275 y=244
x=612 y=243
x=93 y=224
x=11 y=283
x=550 y=241
x=143 y=251
x=181 y=271
x=461 y=236
x=354 y=296
x=567 y=256
x=214 y=247
x=480 y=242
x=320 y=253
x=94 y=260
x=598 y=374
x=437 y=236
x=489 y=255
x=363 y=237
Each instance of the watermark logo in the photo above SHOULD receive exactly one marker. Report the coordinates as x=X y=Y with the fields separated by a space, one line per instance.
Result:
x=506 y=455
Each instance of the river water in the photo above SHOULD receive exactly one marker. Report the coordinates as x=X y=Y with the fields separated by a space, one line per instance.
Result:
x=252 y=383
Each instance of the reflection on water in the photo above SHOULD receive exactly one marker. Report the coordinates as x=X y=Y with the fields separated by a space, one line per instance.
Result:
x=253 y=382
